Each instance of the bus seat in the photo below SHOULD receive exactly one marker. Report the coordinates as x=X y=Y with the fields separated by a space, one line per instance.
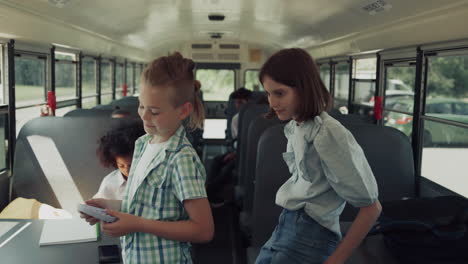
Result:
x=258 y=97
x=256 y=129
x=390 y=156
x=271 y=173
x=89 y=113
x=387 y=150
x=247 y=114
x=76 y=141
x=126 y=101
x=352 y=118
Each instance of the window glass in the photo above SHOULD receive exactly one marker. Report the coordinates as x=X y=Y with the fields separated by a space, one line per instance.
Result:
x=30 y=82
x=364 y=93
x=400 y=121
x=129 y=78
x=251 y=81
x=119 y=75
x=342 y=81
x=65 y=56
x=106 y=85
x=447 y=88
x=65 y=80
x=89 y=102
x=23 y=115
x=365 y=68
x=217 y=85
x=2 y=77
x=325 y=75
x=63 y=110
x=138 y=70
x=444 y=156
x=3 y=127
x=88 y=73
x=399 y=88
x=106 y=99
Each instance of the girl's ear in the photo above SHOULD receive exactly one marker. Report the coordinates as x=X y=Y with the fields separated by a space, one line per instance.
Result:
x=184 y=110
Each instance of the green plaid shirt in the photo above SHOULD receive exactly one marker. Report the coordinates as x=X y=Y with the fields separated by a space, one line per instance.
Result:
x=174 y=175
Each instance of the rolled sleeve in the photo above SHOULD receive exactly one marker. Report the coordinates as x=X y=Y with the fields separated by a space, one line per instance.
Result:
x=189 y=177
x=345 y=166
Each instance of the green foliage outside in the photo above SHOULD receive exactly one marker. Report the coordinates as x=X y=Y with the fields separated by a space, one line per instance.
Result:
x=217 y=85
x=251 y=81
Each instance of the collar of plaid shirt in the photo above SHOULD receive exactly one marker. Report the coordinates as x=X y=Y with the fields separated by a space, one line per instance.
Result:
x=173 y=144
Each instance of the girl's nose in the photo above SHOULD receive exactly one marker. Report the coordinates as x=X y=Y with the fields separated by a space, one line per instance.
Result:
x=273 y=103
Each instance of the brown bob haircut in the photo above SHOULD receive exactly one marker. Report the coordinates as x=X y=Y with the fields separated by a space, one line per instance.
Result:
x=297 y=69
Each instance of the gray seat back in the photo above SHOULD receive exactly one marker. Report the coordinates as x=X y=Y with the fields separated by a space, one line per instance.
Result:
x=256 y=129
x=89 y=113
x=247 y=114
x=352 y=118
x=271 y=173
x=76 y=139
x=387 y=150
x=390 y=156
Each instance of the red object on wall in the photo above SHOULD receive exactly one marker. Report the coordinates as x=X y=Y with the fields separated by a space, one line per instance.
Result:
x=51 y=101
x=124 y=91
x=378 y=108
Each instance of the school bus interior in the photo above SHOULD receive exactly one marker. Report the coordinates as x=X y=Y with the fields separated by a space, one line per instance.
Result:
x=397 y=71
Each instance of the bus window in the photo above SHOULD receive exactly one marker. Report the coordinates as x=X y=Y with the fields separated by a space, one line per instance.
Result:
x=325 y=75
x=216 y=85
x=251 y=81
x=30 y=87
x=89 y=102
x=129 y=75
x=88 y=83
x=364 y=74
x=106 y=82
x=65 y=76
x=399 y=97
x=88 y=79
x=119 y=80
x=447 y=88
x=3 y=128
x=445 y=134
x=341 y=85
x=2 y=80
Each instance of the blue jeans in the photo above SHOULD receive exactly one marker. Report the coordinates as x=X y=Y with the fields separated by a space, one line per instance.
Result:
x=298 y=239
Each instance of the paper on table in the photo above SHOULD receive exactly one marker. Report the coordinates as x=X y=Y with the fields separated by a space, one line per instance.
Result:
x=55 y=232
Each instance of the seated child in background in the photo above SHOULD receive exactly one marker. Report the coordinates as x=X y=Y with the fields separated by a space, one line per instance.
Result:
x=116 y=150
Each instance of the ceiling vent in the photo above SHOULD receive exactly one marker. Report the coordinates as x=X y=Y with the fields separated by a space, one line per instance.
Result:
x=228 y=56
x=229 y=46
x=216 y=17
x=376 y=6
x=202 y=56
x=201 y=46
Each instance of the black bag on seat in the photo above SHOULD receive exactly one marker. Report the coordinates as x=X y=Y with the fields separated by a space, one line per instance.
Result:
x=426 y=230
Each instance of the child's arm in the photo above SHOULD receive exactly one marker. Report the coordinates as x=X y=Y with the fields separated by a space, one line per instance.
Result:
x=198 y=228
x=356 y=233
